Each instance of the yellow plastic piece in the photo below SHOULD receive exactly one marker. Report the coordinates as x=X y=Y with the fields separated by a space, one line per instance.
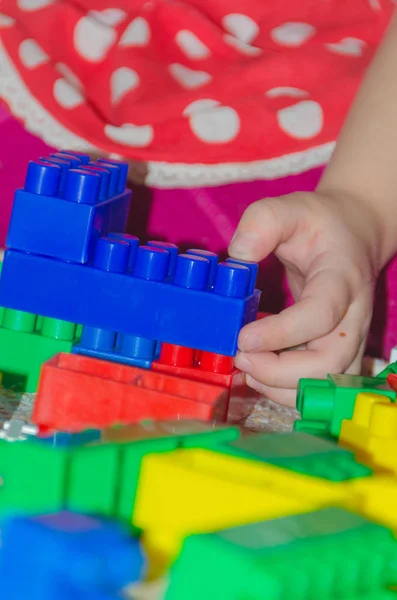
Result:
x=193 y=491
x=377 y=498
x=373 y=430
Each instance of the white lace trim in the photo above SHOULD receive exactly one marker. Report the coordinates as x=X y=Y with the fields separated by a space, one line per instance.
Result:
x=160 y=174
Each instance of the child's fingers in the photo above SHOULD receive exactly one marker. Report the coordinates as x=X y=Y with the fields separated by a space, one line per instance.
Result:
x=332 y=353
x=323 y=305
x=263 y=226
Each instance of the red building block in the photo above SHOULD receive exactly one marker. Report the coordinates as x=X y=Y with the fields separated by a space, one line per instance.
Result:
x=78 y=392
x=207 y=367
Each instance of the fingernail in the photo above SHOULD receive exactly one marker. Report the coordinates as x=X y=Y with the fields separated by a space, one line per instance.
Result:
x=254 y=384
x=249 y=342
x=243 y=363
x=243 y=246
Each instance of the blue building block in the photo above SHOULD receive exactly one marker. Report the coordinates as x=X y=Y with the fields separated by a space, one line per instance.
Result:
x=67 y=203
x=117 y=347
x=138 y=297
x=67 y=556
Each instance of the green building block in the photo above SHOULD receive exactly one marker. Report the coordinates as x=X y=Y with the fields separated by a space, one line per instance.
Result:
x=328 y=554
x=332 y=400
x=99 y=477
x=392 y=368
x=26 y=341
x=316 y=428
x=299 y=452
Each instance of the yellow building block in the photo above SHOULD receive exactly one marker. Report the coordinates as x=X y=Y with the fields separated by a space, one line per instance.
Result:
x=199 y=491
x=372 y=431
x=377 y=498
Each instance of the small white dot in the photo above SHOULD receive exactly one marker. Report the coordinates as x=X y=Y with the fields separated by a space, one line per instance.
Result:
x=241 y=46
x=191 y=45
x=302 y=121
x=66 y=95
x=122 y=81
x=30 y=5
x=189 y=78
x=292 y=92
x=348 y=47
x=128 y=134
x=6 y=21
x=31 y=54
x=137 y=33
x=241 y=26
x=292 y=34
x=92 y=40
x=216 y=125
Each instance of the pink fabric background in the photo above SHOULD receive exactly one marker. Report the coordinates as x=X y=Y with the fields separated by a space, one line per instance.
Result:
x=204 y=217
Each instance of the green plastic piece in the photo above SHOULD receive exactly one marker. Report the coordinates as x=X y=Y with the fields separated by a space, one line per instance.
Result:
x=315 y=428
x=324 y=554
x=99 y=477
x=332 y=400
x=301 y=453
x=33 y=478
x=392 y=368
x=26 y=341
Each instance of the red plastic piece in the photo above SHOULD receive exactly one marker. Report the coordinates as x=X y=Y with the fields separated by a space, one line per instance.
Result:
x=207 y=367
x=78 y=392
x=392 y=381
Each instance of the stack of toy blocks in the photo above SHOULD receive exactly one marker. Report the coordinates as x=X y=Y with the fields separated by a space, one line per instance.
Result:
x=106 y=500
x=157 y=329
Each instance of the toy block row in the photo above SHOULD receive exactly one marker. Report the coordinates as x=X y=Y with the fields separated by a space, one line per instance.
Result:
x=66 y=204
x=77 y=392
x=325 y=403
x=297 y=556
x=203 y=491
x=372 y=431
x=75 y=556
x=148 y=291
x=301 y=453
x=27 y=341
x=93 y=472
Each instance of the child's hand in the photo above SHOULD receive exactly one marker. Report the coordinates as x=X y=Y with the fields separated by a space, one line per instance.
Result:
x=327 y=247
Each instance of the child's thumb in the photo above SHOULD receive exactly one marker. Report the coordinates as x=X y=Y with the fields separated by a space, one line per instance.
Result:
x=263 y=227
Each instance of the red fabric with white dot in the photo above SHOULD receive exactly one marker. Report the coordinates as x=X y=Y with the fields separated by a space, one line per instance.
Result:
x=201 y=81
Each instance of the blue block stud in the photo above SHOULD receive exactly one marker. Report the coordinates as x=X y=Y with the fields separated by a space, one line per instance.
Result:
x=122 y=348
x=173 y=252
x=74 y=556
x=128 y=289
x=66 y=205
x=213 y=260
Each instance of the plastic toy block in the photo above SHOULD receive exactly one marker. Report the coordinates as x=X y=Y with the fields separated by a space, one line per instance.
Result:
x=390 y=370
x=373 y=430
x=376 y=498
x=392 y=380
x=78 y=392
x=315 y=428
x=33 y=479
x=75 y=556
x=186 y=434
x=26 y=341
x=332 y=400
x=130 y=290
x=294 y=557
x=299 y=452
x=202 y=491
x=121 y=348
x=203 y=366
x=65 y=207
